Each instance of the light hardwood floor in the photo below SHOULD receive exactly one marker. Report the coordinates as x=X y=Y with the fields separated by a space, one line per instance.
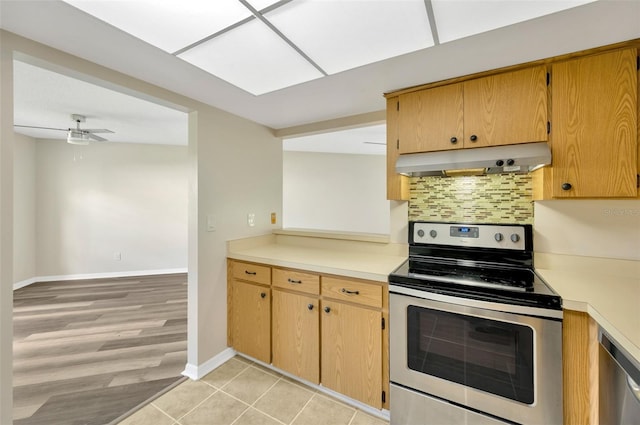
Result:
x=89 y=351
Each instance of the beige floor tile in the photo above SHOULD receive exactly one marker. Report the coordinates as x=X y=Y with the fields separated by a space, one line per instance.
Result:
x=267 y=370
x=183 y=398
x=148 y=415
x=225 y=373
x=254 y=417
x=250 y=385
x=322 y=411
x=284 y=401
x=219 y=409
x=362 y=418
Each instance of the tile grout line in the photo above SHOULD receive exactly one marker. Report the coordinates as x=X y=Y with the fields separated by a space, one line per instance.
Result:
x=303 y=407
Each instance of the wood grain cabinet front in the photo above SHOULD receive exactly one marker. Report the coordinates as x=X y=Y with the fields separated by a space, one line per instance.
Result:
x=352 y=351
x=251 y=319
x=594 y=126
x=502 y=109
x=296 y=334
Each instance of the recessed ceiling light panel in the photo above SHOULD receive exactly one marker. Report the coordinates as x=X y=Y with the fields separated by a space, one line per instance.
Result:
x=340 y=35
x=253 y=58
x=167 y=24
x=463 y=18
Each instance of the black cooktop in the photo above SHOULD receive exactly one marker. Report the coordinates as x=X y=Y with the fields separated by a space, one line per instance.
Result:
x=488 y=270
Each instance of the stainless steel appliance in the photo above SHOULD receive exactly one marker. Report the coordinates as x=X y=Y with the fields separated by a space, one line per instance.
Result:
x=619 y=402
x=475 y=333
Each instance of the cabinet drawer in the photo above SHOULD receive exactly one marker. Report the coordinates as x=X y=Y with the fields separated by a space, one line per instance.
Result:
x=352 y=290
x=252 y=272
x=297 y=281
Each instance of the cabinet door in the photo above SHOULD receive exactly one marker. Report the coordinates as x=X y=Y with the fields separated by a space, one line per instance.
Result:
x=431 y=119
x=251 y=320
x=296 y=334
x=397 y=185
x=352 y=351
x=506 y=109
x=594 y=127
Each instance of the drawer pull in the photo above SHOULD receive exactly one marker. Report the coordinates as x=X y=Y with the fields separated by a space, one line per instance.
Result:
x=346 y=291
x=295 y=282
x=263 y=294
x=310 y=306
x=250 y=273
x=327 y=309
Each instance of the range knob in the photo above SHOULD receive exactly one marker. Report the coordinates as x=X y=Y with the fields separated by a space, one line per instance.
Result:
x=515 y=238
x=421 y=233
x=498 y=237
x=433 y=233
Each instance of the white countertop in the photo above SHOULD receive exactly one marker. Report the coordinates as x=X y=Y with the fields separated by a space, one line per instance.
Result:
x=607 y=289
x=371 y=260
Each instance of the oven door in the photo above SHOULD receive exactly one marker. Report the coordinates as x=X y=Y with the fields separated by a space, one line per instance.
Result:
x=507 y=365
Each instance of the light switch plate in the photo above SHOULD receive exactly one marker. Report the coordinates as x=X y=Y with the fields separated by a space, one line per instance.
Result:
x=211 y=223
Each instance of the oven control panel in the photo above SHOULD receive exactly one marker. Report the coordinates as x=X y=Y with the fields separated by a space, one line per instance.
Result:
x=471 y=235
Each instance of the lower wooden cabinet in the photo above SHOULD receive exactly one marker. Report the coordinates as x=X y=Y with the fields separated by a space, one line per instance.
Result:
x=327 y=330
x=352 y=351
x=251 y=319
x=296 y=334
x=579 y=368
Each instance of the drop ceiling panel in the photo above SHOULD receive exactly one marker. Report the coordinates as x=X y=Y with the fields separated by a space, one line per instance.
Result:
x=340 y=35
x=167 y=24
x=261 y=4
x=253 y=58
x=463 y=18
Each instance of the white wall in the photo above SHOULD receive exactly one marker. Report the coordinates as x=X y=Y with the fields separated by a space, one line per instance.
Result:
x=591 y=228
x=342 y=192
x=24 y=208
x=105 y=198
x=233 y=165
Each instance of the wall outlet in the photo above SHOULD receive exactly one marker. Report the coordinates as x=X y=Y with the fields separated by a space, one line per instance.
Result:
x=251 y=219
x=273 y=218
x=117 y=256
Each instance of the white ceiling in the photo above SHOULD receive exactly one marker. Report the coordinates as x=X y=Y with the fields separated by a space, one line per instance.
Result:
x=369 y=140
x=43 y=98
x=345 y=93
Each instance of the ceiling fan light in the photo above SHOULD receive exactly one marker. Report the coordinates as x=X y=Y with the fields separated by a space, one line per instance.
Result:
x=77 y=138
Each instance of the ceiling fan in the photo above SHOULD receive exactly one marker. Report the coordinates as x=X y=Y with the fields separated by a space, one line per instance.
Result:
x=77 y=136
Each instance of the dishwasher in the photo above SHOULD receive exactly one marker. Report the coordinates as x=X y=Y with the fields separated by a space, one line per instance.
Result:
x=619 y=384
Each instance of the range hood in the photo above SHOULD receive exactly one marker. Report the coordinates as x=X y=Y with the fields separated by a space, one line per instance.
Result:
x=521 y=158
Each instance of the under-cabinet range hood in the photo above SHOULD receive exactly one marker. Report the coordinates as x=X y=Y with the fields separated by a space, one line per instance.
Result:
x=489 y=160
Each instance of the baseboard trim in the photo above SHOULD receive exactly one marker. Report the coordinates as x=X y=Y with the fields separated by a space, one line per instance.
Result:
x=132 y=273
x=197 y=372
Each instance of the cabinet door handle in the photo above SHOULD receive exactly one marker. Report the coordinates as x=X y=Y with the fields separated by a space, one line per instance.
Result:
x=263 y=294
x=453 y=140
x=250 y=273
x=346 y=291
x=566 y=186
x=473 y=138
x=295 y=282
x=327 y=309
x=310 y=306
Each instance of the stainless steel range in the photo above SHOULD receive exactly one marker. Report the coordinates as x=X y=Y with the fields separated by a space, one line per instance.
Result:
x=475 y=334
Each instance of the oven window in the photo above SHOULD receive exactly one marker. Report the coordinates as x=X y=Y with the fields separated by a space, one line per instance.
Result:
x=492 y=356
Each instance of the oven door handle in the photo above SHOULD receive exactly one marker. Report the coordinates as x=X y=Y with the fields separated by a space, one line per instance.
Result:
x=469 y=302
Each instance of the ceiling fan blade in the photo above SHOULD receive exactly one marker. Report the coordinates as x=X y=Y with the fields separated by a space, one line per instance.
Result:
x=97 y=130
x=94 y=137
x=41 y=128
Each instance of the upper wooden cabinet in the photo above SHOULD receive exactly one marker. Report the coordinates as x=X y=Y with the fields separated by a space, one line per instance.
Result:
x=431 y=120
x=501 y=109
x=397 y=185
x=594 y=126
x=506 y=109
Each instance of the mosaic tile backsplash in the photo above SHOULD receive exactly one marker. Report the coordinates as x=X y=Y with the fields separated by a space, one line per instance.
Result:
x=493 y=198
